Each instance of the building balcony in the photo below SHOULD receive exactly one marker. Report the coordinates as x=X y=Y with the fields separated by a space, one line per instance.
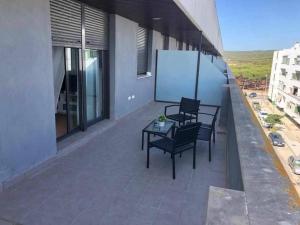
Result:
x=97 y=174
x=290 y=96
x=103 y=178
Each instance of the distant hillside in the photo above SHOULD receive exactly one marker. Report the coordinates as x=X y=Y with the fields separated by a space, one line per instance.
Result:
x=250 y=64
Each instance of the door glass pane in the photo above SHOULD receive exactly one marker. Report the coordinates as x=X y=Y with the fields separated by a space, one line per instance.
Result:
x=59 y=80
x=72 y=71
x=94 y=79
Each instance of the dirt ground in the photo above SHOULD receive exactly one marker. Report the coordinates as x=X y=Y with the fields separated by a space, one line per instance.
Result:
x=289 y=131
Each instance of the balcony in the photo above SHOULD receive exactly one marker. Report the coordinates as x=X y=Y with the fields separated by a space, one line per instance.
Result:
x=105 y=180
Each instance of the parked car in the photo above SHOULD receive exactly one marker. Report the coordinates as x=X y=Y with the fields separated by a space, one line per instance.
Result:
x=276 y=139
x=266 y=124
x=262 y=115
x=256 y=105
x=294 y=163
x=252 y=95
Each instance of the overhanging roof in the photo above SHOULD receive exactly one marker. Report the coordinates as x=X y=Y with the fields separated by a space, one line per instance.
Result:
x=172 y=22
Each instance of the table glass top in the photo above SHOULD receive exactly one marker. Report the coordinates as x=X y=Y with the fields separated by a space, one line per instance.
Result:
x=154 y=127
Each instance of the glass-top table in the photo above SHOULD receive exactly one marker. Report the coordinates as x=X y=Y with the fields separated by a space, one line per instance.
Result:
x=155 y=129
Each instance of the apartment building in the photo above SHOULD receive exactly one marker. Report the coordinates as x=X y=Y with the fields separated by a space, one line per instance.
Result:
x=284 y=87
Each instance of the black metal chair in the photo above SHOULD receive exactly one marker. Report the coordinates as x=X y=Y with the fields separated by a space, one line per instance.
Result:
x=188 y=111
x=206 y=130
x=185 y=138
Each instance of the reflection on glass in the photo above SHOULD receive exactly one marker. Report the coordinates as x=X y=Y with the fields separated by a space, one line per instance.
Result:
x=93 y=84
x=72 y=61
x=59 y=80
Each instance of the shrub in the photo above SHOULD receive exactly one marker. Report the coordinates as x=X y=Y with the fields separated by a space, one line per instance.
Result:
x=274 y=119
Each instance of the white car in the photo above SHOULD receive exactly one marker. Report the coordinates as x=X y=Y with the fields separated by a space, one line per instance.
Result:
x=263 y=115
x=294 y=163
x=266 y=124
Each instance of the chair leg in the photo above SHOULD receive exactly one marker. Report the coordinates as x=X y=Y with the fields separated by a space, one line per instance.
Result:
x=180 y=155
x=148 y=156
x=194 y=157
x=148 y=150
x=214 y=135
x=143 y=134
x=209 y=150
x=173 y=166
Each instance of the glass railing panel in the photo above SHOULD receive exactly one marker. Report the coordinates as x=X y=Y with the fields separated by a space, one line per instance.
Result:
x=176 y=75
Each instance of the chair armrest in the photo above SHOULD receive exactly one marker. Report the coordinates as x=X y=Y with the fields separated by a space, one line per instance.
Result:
x=205 y=128
x=208 y=114
x=169 y=106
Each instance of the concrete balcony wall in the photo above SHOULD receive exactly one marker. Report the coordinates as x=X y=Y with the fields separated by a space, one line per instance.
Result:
x=27 y=134
x=233 y=173
x=264 y=193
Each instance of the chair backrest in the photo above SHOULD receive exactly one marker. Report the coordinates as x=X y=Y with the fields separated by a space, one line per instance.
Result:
x=186 y=134
x=188 y=105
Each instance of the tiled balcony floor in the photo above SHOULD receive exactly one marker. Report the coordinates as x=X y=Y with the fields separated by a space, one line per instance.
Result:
x=106 y=182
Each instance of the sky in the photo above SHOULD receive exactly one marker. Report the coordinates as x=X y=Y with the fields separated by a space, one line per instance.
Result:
x=259 y=24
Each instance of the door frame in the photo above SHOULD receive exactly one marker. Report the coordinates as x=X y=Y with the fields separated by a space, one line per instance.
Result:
x=105 y=113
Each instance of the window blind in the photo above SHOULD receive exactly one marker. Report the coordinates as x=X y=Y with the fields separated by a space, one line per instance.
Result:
x=142 y=50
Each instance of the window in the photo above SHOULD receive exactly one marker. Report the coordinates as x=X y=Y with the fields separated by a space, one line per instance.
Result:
x=280 y=85
x=295 y=91
x=165 y=42
x=283 y=72
x=142 y=50
x=297 y=60
x=297 y=109
x=296 y=76
x=285 y=60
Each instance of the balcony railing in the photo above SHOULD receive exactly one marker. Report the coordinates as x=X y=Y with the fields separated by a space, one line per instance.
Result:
x=253 y=171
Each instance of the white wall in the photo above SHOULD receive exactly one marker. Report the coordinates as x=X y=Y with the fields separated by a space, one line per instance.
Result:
x=203 y=14
x=283 y=98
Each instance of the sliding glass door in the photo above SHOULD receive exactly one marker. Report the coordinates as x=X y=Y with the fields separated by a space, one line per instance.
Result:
x=94 y=85
x=73 y=90
x=67 y=90
x=81 y=89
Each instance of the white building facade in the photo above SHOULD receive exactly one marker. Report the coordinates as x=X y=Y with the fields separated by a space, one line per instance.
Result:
x=284 y=87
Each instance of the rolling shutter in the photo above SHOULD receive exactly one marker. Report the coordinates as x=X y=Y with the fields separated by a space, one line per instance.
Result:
x=65 y=23
x=96 y=28
x=142 y=50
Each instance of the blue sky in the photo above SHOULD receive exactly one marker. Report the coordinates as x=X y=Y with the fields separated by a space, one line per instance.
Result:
x=259 y=24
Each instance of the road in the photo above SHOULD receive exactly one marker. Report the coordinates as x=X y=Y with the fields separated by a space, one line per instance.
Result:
x=289 y=131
